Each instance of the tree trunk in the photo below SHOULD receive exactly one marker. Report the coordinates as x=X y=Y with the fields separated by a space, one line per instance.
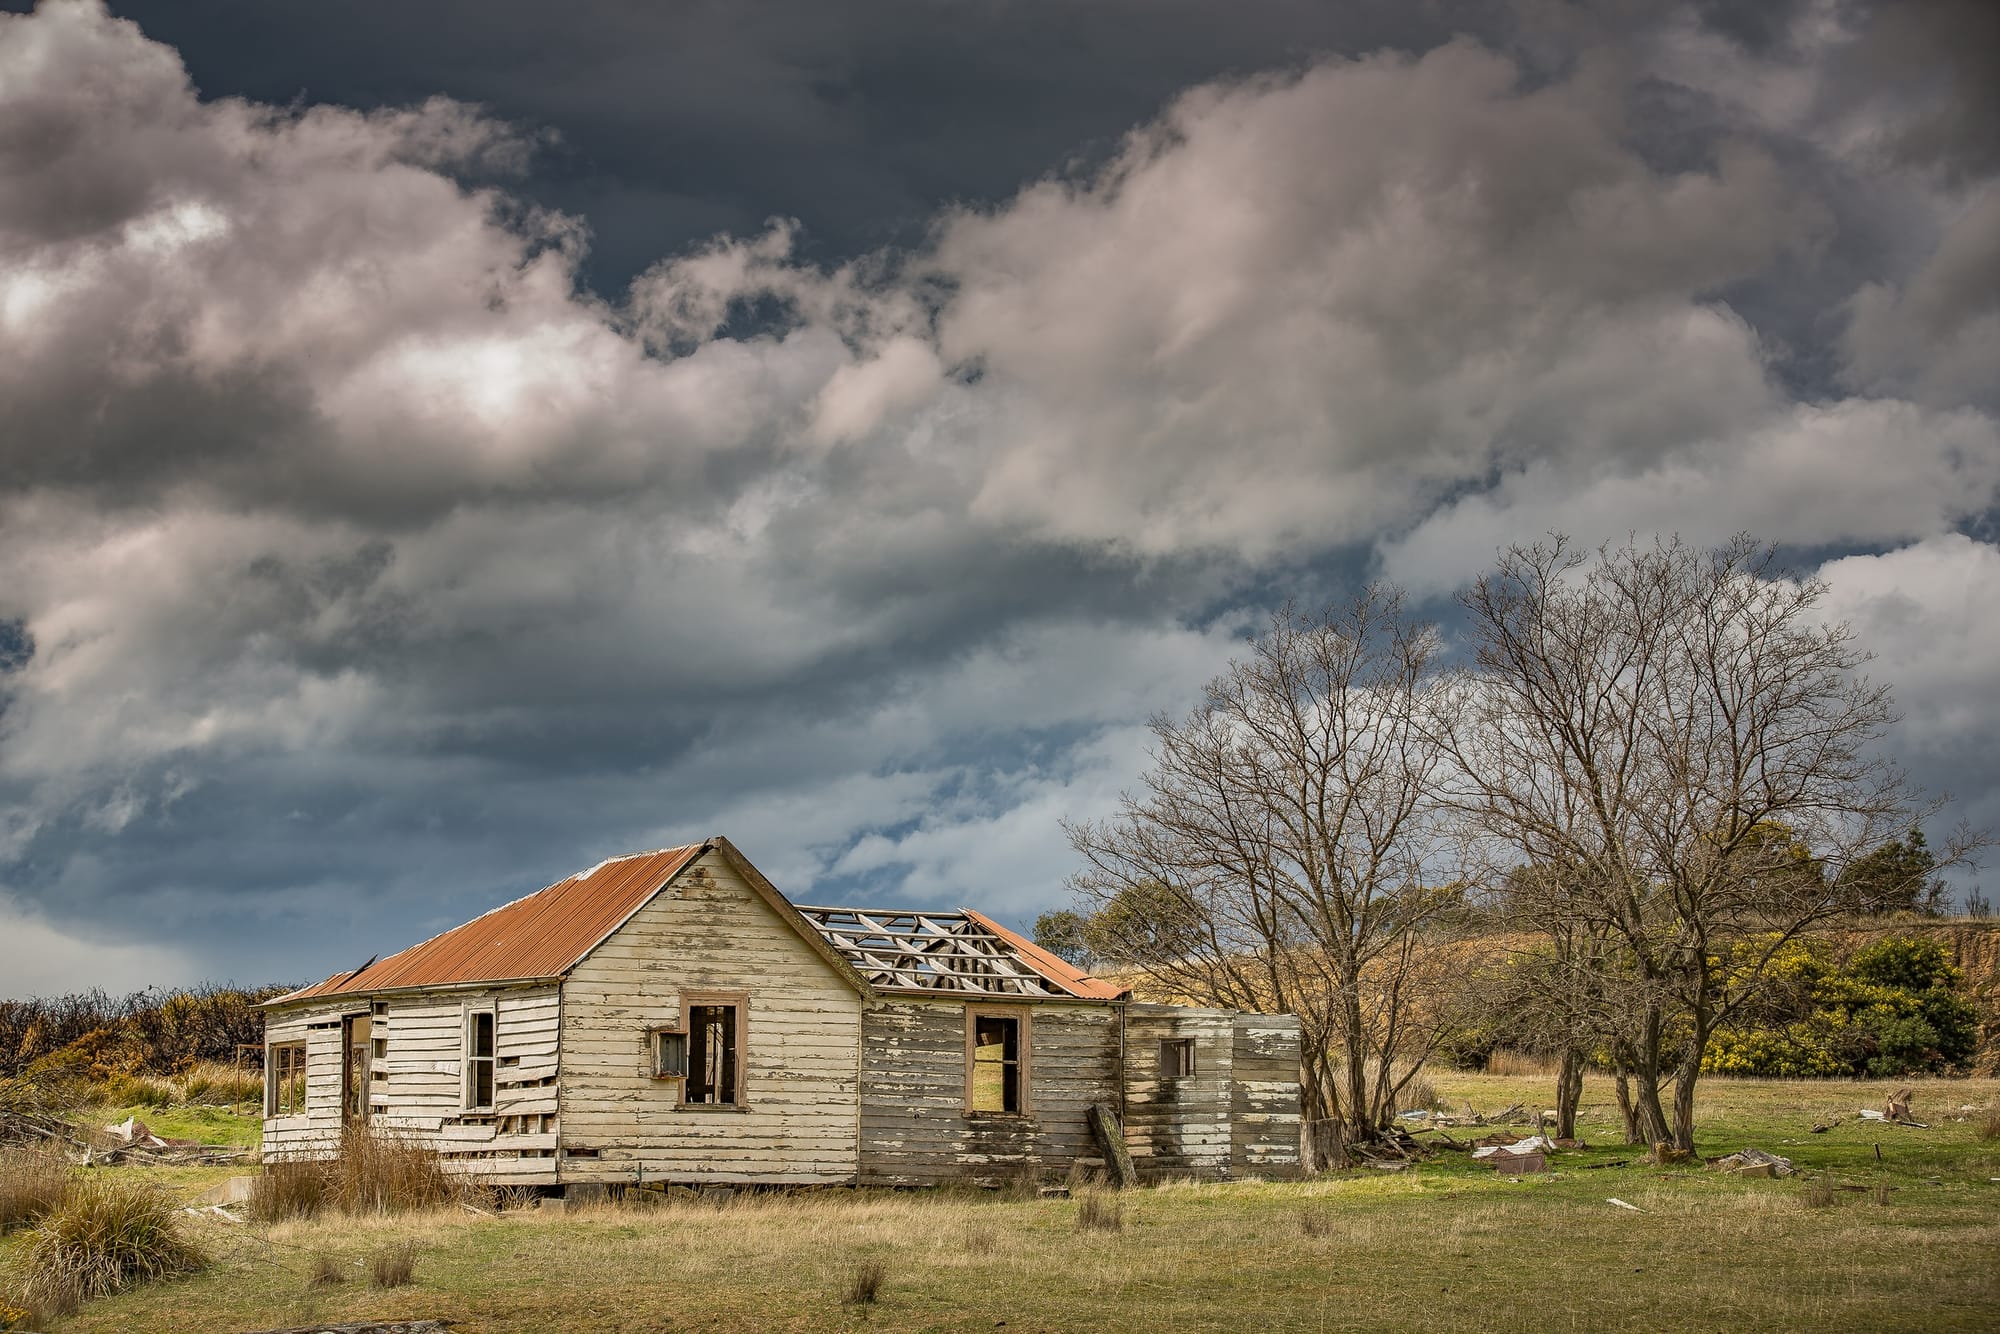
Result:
x=1630 y=1114
x=1569 y=1092
x=1684 y=1080
x=1360 y=1118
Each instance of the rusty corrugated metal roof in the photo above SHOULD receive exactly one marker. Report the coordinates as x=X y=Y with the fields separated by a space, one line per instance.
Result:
x=1051 y=966
x=542 y=935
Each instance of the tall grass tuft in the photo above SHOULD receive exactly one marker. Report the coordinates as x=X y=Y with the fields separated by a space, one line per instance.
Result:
x=1097 y=1211
x=1819 y=1193
x=107 y=1233
x=214 y=1084
x=287 y=1188
x=326 y=1272
x=865 y=1284
x=31 y=1183
x=1989 y=1124
x=381 y=1172
x=394 y=1266
x=1316 y=1221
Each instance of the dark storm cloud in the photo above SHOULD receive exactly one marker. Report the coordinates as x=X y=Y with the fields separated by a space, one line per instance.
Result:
x=371 y=555
x=680 y=120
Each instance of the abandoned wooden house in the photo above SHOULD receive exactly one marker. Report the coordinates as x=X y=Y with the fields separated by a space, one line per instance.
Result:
x=670 y=1017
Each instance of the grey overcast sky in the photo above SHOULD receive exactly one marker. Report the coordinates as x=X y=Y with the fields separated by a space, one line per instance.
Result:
x=445 y=444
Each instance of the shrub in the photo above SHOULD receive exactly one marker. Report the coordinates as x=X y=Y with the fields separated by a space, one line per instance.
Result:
x=107 y=1233
x=394 y=1266
x=1097 y=1211
x=287 y=1188
x=32 y=1181
x=1890 y=1010
x=865 y=1285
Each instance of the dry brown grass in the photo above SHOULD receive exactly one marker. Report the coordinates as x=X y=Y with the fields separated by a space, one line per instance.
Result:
x=326 y=1272
x=393 y=1266
x=382 y=1172
x=865 y=1284
x=1988 y=1125
x=1818 y=1193
x=109 y=1232
x=287 y=1188
x=1099 y=1211
x=1506 y=1061
x=31 y=1183
x=1316 y=1221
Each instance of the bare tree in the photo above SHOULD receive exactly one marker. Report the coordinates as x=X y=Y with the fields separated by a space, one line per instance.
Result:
x=1288 y=852
x=1684 y=735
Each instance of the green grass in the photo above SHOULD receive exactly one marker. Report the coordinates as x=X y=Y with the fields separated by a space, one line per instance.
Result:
x=1447 y=1246
x=209 y=1125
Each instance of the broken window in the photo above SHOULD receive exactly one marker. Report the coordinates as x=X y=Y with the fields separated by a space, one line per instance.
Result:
x=285 y=1079
x=670 y=1049
x=1176 y=1057
x=994 y=1071
x=713 y=1054
x=478 y=1060
x=354 y=1030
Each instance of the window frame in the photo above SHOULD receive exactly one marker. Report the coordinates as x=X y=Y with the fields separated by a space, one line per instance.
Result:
x=468 y=1080
x=692 y=1001
x=1023 y=1016
x=272 y=1061
x=1187 y=1061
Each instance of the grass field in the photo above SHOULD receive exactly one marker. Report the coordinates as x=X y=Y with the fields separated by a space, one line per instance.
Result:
x=1447 y=1246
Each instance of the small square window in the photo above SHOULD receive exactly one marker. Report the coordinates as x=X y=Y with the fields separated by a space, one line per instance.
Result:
x=1176 y=1058
x=670 y=1048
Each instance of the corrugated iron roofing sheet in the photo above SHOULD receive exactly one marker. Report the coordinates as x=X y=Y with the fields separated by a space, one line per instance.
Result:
x=1055 y=968
x=542 y=935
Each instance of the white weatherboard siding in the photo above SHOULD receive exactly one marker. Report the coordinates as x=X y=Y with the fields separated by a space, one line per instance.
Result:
x=317 y=1133
x=418 y=1083
x=798 y=1111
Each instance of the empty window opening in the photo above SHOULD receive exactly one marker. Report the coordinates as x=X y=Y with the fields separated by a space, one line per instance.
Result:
x=479 y=1059
x=1176 y=1057
x=712 y=1051
x=993 y=1083
x=285 y=1079
x=354 y=1067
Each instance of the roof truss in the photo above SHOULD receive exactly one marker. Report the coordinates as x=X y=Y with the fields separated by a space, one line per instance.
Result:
x=927 y=951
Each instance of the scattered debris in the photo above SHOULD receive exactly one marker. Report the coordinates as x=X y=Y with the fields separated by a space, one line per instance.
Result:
x=1622 y=1205
x=132 y=1141
x=1898 y=1109
x=1532 y=1144
x=1754 y=1163
x=1509 y=1163
x=1615 y=1162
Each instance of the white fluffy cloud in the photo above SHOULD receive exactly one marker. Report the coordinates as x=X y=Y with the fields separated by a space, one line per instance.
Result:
x=363 y=550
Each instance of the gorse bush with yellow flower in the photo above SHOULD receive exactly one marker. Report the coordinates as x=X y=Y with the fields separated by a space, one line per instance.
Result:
x=1888 y=1010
